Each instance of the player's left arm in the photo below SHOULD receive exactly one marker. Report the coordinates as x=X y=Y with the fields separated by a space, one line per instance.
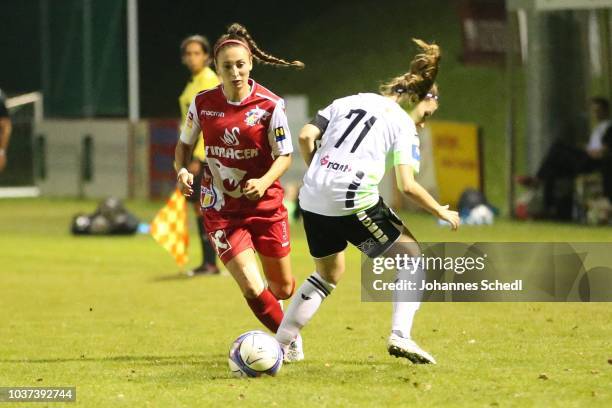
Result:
x=406 y=159
x=184 y=149
x=6 y=128
x=409 y=186
x=254 y=189
x=279 y=137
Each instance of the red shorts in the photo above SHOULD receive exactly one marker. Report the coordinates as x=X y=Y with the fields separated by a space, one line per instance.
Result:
x=267 y=236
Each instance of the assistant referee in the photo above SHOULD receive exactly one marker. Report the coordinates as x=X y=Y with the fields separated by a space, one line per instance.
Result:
x=195 y=54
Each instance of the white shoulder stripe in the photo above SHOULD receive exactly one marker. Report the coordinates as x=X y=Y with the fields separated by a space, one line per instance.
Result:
x=267 y=97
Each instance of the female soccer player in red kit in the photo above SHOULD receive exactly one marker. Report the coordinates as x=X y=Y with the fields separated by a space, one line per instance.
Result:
x=248 y=147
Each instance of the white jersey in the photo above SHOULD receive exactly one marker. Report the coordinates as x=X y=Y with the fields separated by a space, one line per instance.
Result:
x=363 y=135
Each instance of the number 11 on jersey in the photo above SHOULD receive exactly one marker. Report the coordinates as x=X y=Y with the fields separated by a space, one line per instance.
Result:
x=366 y=128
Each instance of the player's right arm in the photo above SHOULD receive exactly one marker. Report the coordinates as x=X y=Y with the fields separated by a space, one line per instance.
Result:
x=312 y=132
x=184 y=149
x=308 y=138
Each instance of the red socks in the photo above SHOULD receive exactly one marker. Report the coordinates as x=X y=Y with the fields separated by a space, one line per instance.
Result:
x=266 y=308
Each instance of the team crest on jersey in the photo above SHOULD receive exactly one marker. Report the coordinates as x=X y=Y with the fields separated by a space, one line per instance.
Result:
x=208 y=197
x=208 y=194
x=255 y=115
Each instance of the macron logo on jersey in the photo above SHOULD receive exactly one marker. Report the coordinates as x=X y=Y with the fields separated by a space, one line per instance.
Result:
x=231 y=153
x=214 y=114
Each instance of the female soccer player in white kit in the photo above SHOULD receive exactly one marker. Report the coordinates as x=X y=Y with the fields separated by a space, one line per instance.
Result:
x=340 y=199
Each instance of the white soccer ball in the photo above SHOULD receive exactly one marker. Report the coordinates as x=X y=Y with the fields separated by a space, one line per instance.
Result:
x=481 y=214
x=255 y=353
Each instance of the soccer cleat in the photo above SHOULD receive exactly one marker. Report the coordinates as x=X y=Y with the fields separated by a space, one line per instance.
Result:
x=407 y=348
x=294 y=352
x=203 y=270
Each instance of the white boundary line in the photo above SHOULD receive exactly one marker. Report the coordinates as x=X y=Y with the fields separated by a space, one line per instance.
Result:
x=19 y=192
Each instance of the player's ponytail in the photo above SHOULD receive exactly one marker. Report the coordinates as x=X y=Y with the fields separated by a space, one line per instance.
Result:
x=421 y=78
x=238 y=32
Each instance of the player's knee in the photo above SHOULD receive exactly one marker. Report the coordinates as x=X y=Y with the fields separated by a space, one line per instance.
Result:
x=283 y=291
x=332 y=275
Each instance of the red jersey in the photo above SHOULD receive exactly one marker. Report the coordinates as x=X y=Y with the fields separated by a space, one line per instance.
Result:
x=242 y=140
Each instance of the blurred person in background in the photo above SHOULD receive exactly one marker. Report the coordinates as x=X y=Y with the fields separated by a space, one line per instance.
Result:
x=195 y=54
x=600 y=142
x=5 y=131
x=565 y=160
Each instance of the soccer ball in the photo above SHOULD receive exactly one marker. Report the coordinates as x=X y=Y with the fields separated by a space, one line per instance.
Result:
x=481 y=214
x=255 y=353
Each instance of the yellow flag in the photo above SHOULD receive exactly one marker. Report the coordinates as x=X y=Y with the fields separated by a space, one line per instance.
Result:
x=169 y=227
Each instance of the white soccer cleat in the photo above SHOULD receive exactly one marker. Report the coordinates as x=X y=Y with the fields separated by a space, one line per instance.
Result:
x=295 y=351
x=407 y=348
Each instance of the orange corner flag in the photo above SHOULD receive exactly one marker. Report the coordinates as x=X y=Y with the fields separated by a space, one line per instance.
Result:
x=169 y=227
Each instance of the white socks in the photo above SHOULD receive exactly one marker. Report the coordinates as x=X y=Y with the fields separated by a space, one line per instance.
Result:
x=403 y=311
x=315 y=289
x=304 y=305
x=403 y=315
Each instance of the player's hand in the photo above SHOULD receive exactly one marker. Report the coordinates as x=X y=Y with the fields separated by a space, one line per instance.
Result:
x=254 y=189
x=452 y=217
x=185 y=182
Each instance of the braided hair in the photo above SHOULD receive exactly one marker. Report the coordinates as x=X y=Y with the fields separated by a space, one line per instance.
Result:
x=238 y=32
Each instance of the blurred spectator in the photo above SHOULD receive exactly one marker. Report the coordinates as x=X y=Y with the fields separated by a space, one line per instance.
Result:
x=195 y=54
x=566 y=161
x=5 y=131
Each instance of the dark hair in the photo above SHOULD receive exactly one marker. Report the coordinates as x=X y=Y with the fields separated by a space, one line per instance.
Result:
x=239 y=33
x=416 y=83
x=602 y=102
x=196 y=38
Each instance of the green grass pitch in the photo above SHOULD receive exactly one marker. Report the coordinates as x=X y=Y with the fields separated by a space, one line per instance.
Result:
x=111 y=317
